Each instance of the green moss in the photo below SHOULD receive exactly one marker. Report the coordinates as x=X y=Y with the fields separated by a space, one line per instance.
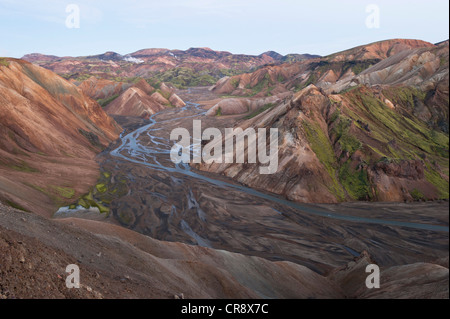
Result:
x=83 y=77
x=103 y=193
x=101 y=187
x=154 y=83
x=321 y=146
x=15 y=205
x=280 y=78
x=104 y=102
x=356 y=183
x=23 y=166
x=335 y=116
x=58 y=194
x=269 y=90
x=183 y=77
x=64 y=192
x=219 y=111
x=412 y=136
x=264 y=83
x=440 y=183
x=4 y=62
x=234 y=82
x=375 y=150
x=405 y=96
x=88 y=201
x=312 y=79
x=259 y=111
x=347 y=142
x=359 y=66
x=416 y=194
x=166 y=95
x=101 y=208
x=83 y=203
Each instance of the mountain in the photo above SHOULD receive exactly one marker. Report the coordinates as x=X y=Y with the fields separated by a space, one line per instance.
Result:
x=378 y=134
x=289 y=58
x=330 y=69
x=50 y=132
x=36 y=57
x=195 y=66
x=143 y=100
x=102 y=89
x=274 y=55
x=378 y=50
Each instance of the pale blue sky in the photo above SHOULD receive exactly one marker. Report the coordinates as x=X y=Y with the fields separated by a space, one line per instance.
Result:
x=238 y=26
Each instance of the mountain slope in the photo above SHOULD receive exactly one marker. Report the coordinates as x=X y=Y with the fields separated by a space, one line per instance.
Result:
x=349 y=146
x=50 y=132
x=119 y=263
x=369 y=123
x=102 y=89
x=323 y=72
x=143 y=100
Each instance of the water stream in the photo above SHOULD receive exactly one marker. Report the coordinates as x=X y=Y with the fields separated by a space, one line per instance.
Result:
x=132 y=150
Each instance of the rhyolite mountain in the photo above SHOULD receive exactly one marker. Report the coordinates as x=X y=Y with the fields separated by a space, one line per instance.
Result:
x=324 y=71
x=373 y=119
x=143 y=100
x=195 y=66
x=369 y=123
x=50 y=132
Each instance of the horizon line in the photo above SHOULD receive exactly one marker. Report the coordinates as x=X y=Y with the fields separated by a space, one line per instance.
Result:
x=225 y=51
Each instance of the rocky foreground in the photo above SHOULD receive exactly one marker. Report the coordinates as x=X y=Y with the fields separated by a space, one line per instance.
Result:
x=119 y=263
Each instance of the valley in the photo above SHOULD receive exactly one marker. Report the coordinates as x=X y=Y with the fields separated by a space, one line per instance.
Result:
x=177 y=203
x=86 y=174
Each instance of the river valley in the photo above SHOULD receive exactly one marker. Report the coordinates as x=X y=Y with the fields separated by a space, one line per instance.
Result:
x=177 y=203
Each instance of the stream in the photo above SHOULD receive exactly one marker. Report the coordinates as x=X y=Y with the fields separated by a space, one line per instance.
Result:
x=149 y=155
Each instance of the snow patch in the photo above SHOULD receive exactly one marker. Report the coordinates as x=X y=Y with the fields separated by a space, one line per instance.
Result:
x=132 y=60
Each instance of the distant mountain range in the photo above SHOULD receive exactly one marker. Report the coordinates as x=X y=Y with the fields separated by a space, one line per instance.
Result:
x=195 y=64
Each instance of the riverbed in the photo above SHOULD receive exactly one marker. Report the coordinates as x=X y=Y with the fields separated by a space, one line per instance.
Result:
x=174 y=202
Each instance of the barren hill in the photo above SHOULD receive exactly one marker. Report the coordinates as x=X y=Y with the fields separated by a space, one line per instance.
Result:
x=50 y=132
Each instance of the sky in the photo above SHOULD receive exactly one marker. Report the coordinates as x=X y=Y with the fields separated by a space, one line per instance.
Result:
x=238 y=26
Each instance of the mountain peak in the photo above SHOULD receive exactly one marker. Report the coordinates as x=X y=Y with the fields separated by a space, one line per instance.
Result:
x=274 y=55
